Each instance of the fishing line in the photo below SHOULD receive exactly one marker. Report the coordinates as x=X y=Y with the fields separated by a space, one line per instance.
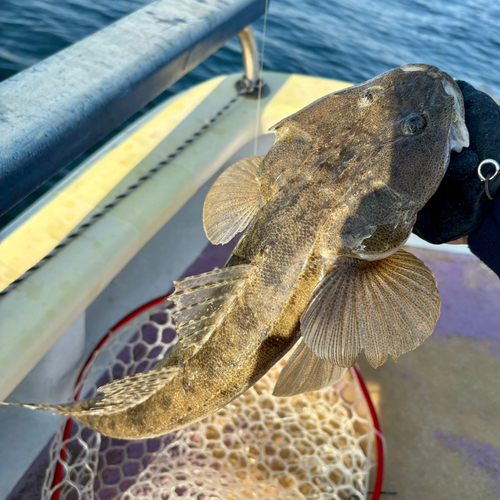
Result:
x=259 y=96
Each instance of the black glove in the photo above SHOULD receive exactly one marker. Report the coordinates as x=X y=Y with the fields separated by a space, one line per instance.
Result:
x=460 y=204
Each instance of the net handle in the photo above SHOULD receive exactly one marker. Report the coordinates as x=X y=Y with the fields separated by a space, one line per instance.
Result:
x=58 y=474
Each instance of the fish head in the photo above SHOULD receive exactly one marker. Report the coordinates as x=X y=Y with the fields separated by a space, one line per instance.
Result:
x=418 y=110
x=406 y=123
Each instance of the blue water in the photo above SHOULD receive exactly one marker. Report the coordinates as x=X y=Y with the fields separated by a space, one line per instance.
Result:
x=345 y=39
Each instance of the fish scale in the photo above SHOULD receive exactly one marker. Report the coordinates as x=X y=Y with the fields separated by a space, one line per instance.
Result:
x=325 y=214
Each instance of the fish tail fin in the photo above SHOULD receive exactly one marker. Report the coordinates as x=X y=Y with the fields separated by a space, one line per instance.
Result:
x=60 y=409
x=387 y=306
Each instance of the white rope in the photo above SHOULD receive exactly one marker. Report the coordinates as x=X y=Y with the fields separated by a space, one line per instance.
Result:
x=104 y=210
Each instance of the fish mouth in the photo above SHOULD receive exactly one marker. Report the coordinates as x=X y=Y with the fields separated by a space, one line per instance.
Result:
x=458 y=135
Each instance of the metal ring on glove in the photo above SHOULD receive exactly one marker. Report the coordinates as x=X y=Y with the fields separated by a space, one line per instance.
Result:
x=489 y=176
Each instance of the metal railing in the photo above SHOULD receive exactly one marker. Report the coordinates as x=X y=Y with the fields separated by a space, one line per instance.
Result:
x=53 y=112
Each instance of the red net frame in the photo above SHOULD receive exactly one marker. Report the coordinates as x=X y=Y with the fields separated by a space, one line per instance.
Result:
x=57 y=476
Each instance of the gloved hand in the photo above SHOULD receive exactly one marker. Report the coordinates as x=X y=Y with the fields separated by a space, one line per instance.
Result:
x=460 y=204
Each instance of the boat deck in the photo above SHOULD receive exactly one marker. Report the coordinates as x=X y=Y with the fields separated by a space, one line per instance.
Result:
x=437 y=405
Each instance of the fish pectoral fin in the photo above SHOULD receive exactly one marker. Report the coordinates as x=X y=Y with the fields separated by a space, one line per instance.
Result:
x=203 y=300
x=305 y=372
x=119 y=395
x=387 y=306
x=232 y=201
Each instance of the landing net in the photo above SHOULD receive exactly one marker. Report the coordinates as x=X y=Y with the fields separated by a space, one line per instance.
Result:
x=320 y=445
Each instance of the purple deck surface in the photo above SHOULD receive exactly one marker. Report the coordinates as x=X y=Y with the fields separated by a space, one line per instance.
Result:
x=30 y=485
x=469 y=295
x=482 y=457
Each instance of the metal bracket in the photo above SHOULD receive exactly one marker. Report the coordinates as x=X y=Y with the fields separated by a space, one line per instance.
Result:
x=250 y=85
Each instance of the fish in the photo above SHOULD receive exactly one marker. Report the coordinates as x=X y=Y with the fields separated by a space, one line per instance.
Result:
x=320 y=265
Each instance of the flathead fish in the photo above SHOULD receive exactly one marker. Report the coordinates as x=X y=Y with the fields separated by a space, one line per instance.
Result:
x=326 y=213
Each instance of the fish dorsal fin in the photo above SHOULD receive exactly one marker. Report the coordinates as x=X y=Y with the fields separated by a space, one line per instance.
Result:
x=305 y=372
x=203 y=300
x=119 y=395
x=125 y=393
x=232 y=201
x=387 y=306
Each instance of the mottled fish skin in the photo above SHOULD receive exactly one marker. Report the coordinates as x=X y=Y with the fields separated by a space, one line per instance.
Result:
x=375 y=177
x=259 y=331
x=343 y=179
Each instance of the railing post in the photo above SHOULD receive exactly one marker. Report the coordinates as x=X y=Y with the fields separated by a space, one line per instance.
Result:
x=250 y=84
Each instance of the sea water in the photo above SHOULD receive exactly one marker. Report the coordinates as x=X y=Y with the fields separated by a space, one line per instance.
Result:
x=344 y=39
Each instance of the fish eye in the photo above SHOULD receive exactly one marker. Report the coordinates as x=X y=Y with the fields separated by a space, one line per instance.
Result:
x=414 y=124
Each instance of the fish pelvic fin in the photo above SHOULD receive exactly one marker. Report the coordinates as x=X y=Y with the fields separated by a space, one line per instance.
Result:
x=119 y=395
x=202 y=302
x=305 y=372
x=232 y=201
x=387 y=306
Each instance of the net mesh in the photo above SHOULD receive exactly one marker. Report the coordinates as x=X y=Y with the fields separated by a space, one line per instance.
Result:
x=313 y=446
